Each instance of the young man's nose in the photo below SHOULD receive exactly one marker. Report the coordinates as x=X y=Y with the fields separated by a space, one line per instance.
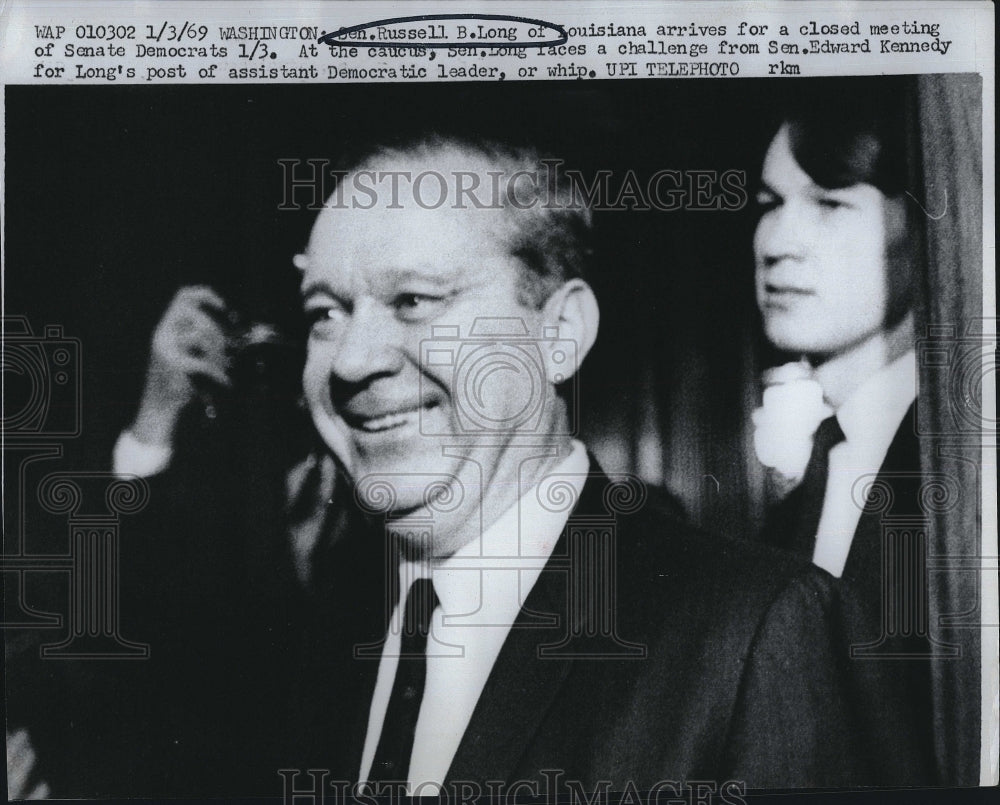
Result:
x=781 y=236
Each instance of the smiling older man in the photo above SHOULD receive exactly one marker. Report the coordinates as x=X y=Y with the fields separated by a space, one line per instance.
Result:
x=592 y=637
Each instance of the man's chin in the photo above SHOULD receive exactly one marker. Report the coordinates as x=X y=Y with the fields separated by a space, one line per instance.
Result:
x=403 y=484
x=790 y=336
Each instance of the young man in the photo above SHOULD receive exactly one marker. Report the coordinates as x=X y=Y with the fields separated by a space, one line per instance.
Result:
x=836 y=254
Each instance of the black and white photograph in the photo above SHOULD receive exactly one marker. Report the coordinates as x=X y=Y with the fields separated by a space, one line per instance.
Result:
x=512 y=440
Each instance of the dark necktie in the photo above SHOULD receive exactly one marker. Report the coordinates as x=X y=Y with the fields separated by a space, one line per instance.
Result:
x=395 y=744
x=793 y=523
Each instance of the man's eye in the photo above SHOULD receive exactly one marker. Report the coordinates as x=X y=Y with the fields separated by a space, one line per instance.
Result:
x=416 y=305
x=318 y=316
x=831 y=203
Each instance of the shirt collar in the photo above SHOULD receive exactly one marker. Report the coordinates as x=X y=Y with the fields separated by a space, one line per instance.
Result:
x=520 y=541
x=871 y=415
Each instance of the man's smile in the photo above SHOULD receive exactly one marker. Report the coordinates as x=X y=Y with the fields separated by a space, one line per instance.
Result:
x=380 y=418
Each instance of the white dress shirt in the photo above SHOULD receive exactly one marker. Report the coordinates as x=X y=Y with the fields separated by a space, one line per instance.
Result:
x=869 y=419
x=481 y=589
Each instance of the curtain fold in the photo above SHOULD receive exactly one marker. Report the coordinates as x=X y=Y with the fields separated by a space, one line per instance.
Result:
x=954 y=355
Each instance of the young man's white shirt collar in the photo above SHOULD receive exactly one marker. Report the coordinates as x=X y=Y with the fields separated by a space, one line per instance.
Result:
x=869 y=418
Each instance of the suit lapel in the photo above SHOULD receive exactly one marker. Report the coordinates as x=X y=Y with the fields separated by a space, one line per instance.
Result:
x=517 y=693
x=522 y=686
x=902 y=461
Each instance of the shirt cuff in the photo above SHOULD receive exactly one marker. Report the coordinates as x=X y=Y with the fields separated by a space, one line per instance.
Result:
x=133 y=457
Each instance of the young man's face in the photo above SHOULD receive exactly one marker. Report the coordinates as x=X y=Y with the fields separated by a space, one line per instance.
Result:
x=374 y=282
x=822 y=279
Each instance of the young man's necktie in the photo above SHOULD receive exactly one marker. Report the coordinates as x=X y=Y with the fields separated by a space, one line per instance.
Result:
x=794 y=522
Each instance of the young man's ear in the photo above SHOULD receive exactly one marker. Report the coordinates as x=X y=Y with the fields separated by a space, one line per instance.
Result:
x=570 y=314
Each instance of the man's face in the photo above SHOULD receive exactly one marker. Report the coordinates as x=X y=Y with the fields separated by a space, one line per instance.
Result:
x=821 y=271
x=374 y=283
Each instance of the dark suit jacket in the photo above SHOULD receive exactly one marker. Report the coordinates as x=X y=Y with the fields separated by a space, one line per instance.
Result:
x=703 y=675
x=692 y=664
x=884 y=661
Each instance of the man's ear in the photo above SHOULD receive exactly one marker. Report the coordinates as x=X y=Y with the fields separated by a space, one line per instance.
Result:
x=570 y=314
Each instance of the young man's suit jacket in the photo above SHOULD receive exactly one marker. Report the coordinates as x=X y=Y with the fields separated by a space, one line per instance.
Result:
x=881 y=655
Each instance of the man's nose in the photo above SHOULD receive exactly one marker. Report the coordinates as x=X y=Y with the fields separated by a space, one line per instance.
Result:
x=367 y=346
x=781 y=236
